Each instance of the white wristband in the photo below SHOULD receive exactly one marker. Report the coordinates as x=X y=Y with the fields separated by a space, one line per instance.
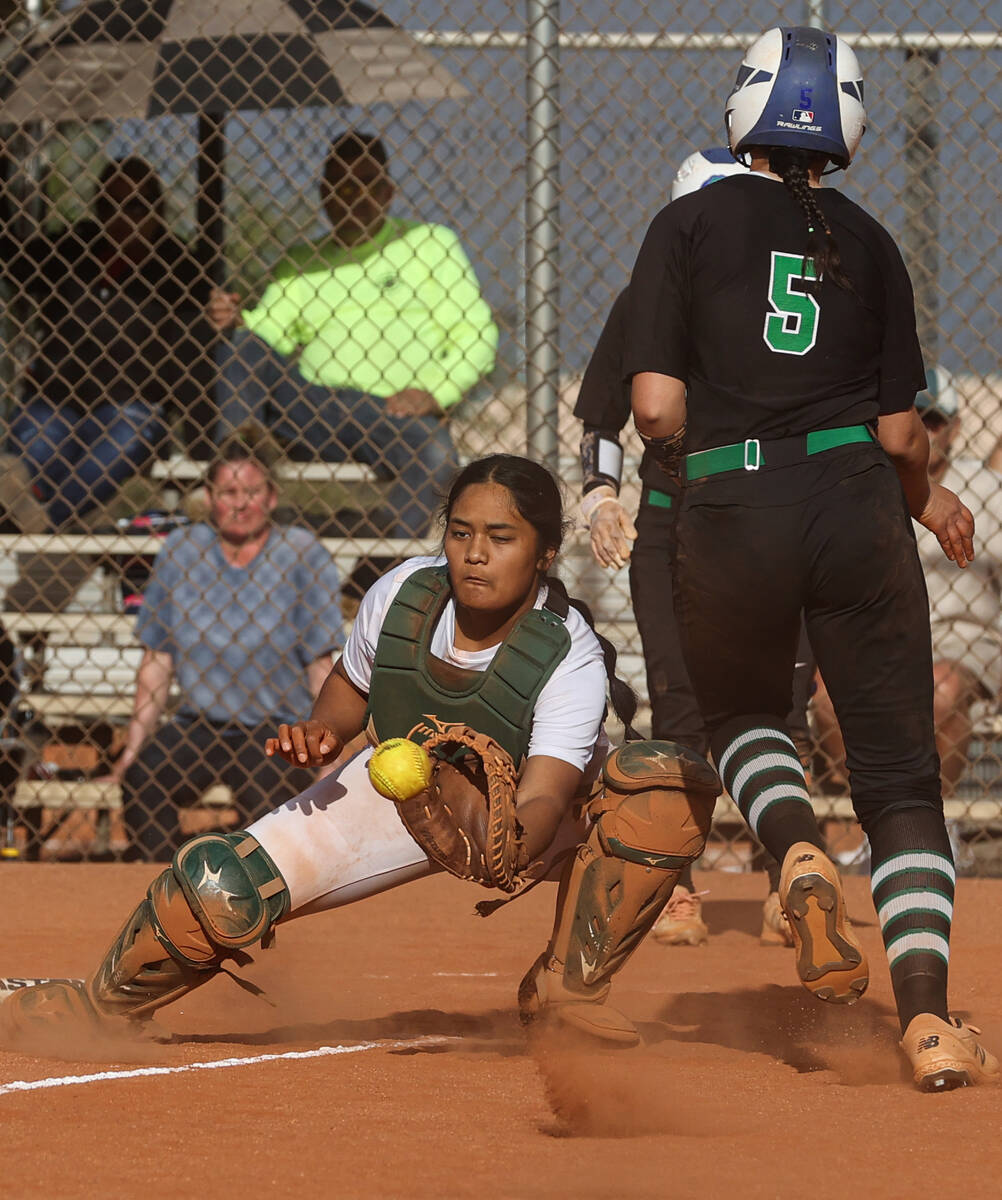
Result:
x=591 y=503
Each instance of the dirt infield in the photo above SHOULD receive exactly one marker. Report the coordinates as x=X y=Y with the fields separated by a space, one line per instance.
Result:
x=746 y=1087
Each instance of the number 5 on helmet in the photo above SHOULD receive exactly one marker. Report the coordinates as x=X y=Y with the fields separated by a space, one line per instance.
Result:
x=651 y=818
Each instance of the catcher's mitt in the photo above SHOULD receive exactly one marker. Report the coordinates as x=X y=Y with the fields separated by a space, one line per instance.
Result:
x=465 y=819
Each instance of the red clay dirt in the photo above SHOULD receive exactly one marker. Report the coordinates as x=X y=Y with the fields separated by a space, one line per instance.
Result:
x=746 y=1086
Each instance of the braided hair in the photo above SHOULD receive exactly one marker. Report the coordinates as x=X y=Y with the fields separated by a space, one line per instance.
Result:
x=536 y=496
x=793 y=167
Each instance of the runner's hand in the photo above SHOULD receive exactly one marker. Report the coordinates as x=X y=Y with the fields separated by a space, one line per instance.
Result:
x=612 y=533
x=952 y=523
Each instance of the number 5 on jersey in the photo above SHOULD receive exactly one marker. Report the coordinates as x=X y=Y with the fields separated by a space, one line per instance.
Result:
x=792 y=326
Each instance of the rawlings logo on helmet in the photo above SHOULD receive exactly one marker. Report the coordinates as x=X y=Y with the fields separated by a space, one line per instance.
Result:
x=798 y=87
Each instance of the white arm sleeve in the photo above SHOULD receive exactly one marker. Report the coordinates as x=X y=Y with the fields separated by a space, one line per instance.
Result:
x=567 y=719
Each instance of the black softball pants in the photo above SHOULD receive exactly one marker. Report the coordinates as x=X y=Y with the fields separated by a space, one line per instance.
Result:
x=675 y=714
x=846 y=556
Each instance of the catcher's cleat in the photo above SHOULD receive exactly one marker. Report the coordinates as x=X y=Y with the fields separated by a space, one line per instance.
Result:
x=598 y=1021
x=944 y=1055
x=830 y=960
x=45 y=1004
x=542 y=996
x=681 y=922
x=775 y=927
x=32 y=1019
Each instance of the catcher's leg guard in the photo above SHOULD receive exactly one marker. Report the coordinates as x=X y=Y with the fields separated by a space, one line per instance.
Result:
x=652 y=818
x=221 y=893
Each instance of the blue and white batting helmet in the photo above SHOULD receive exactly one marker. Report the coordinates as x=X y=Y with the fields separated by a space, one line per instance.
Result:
x=703 y=167
x=799 y=87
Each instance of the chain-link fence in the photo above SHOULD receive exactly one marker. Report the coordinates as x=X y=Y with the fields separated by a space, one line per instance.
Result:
x=192 y=245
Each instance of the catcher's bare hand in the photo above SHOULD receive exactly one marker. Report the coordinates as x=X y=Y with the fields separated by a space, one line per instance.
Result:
x=612 y=533
x=951 y=521
x=305 y=744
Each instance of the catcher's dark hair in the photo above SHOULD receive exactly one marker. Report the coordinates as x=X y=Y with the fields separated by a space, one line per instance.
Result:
x=793 y=167
x=249 y=444
x=143 y=178
x=536 y=496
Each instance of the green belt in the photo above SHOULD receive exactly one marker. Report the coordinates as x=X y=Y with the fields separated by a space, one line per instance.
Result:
x=752 y=454
x=657 y=499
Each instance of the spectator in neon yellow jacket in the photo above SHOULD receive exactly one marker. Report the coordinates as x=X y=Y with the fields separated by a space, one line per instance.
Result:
x=362 y=341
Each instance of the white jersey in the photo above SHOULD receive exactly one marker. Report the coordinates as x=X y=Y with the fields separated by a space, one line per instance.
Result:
x=567 y=718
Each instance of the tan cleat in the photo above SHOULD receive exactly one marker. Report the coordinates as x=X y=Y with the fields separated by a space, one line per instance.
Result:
x=600 y=1022
x=543 y=998
x=775 y=927
x=830 y=960
x=681 y=922
x=946 y=1054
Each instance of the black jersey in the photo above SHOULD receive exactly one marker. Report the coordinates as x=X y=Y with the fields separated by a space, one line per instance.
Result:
x=719 y=299
x=604 y=398
x=603 y=401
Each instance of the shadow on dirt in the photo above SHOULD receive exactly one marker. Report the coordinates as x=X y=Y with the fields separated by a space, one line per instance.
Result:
x=621 y=1093
x=495 y=1032
x=857 y=1042
x=745 y=916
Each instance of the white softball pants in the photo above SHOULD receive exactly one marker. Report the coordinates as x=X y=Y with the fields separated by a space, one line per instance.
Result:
x=340 y=841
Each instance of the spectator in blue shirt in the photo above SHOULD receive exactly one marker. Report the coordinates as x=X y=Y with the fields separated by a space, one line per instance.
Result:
x=243 y=615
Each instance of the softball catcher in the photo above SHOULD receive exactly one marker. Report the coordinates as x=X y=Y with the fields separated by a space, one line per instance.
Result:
x=480 y=657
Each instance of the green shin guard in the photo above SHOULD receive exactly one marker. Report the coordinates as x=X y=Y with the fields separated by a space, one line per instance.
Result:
x=221 y=893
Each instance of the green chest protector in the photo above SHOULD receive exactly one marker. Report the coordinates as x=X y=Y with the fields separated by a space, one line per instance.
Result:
x=411 y=689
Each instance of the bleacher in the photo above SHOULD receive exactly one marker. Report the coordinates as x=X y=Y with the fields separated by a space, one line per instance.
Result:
x=84 y=663
x=80 y=663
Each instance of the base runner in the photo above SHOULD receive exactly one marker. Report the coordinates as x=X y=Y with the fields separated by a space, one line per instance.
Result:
x=774 y=359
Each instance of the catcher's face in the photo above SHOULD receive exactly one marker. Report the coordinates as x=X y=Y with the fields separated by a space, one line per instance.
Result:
x=494 y=555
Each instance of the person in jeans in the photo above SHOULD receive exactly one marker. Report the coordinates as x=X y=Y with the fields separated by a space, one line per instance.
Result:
x=244 y=615
x=117 y=299
x=362 y=341
x=118 y=307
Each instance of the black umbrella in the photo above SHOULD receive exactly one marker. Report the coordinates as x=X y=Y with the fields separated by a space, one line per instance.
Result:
x=112 y=59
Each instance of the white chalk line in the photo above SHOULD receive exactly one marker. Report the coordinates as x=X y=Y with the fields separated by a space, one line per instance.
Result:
x=466 y=974
x=218 y=1064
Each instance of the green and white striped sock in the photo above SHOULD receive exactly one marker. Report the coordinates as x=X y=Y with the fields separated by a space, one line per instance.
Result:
x=913 y=896
x=761 y=770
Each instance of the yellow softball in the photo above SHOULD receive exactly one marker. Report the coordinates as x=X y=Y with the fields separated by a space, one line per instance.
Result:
x=399 y=769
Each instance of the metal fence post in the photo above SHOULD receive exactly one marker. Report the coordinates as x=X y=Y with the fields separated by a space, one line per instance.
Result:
x=920 y=230
x=542 y=230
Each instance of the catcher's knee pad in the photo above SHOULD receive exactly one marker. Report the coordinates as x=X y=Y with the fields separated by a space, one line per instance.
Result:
x=651 y=819
x=656 y=804
x=233 y=888
x=222 y=892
